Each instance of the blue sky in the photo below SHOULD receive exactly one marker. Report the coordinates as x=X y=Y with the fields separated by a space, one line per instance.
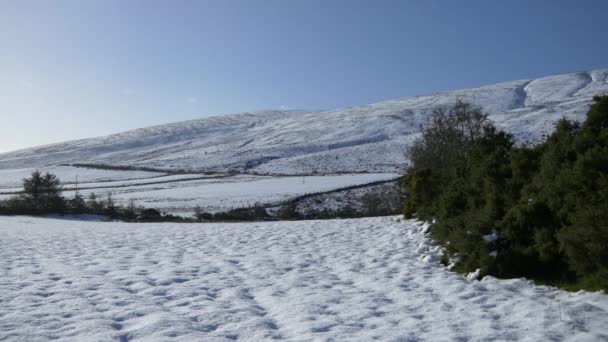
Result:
x=75 y=69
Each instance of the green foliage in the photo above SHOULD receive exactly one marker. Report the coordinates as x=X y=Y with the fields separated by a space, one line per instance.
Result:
x=200 y=215
x=448 y=137
x=421 y=187
x=150 y=215
x=547 y=203
x=288 y=211
x=109 y=208
x=131 y=211
x=255 y=213
x=41 y=195
x=77 y=204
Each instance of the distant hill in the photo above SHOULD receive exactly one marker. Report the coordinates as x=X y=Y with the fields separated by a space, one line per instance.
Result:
x=369 y=138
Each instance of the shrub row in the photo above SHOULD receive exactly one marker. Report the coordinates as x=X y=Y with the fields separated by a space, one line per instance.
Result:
x=539 y=212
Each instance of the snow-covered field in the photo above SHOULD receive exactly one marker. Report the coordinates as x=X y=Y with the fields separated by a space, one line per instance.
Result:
x=341 y=280
x=217 y=194
x=109 y=185
x=177 y=194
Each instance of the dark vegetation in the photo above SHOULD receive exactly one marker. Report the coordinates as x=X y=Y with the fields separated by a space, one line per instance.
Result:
x=539 y=212
x=124 y=168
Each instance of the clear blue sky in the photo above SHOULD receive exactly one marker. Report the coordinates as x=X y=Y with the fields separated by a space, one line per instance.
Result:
x=74 y=69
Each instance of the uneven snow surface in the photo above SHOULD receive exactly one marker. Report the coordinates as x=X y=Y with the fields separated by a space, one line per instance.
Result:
x=341 y=280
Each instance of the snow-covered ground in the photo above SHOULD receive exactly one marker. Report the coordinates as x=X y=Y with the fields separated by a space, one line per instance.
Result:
x=179 y=194
x=111 y=184
x=362 y=138
x=12 y=178
x=217 y=194
x=340 y=280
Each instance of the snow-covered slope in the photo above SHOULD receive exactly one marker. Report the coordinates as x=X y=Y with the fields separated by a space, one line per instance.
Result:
x=13 y=178
x=373 y=279
x=368 y=138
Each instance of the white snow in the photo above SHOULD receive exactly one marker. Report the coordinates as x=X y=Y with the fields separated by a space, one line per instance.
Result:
x=79 y=217
x=474 y=275
x=110 y=184
x=145 y=181
x=339 y=280
x=13 y=178
x=491 y=237
x=215 y=194
x=368 y=138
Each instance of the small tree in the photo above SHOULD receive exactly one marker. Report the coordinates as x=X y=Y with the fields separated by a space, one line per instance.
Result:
x=51 y=191
x=95 y=206
x=16 y=206
x=32 y=192
x=447 y=141
x=77 y=204
x=201 y=215
x=131 y=211
x=198 y=212
x=110 y=206
x=448 y=137
x=371 y=203
x=42 y=193
x=150 y=215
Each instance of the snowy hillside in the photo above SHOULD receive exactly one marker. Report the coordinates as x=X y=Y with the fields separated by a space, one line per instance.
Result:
x=368 y=138
x=336 y=280
x=12 y=178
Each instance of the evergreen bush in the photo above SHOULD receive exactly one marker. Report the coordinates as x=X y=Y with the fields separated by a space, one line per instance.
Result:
x=546 y=205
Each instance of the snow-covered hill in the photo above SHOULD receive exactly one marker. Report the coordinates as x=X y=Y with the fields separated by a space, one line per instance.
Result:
x=368 y=138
